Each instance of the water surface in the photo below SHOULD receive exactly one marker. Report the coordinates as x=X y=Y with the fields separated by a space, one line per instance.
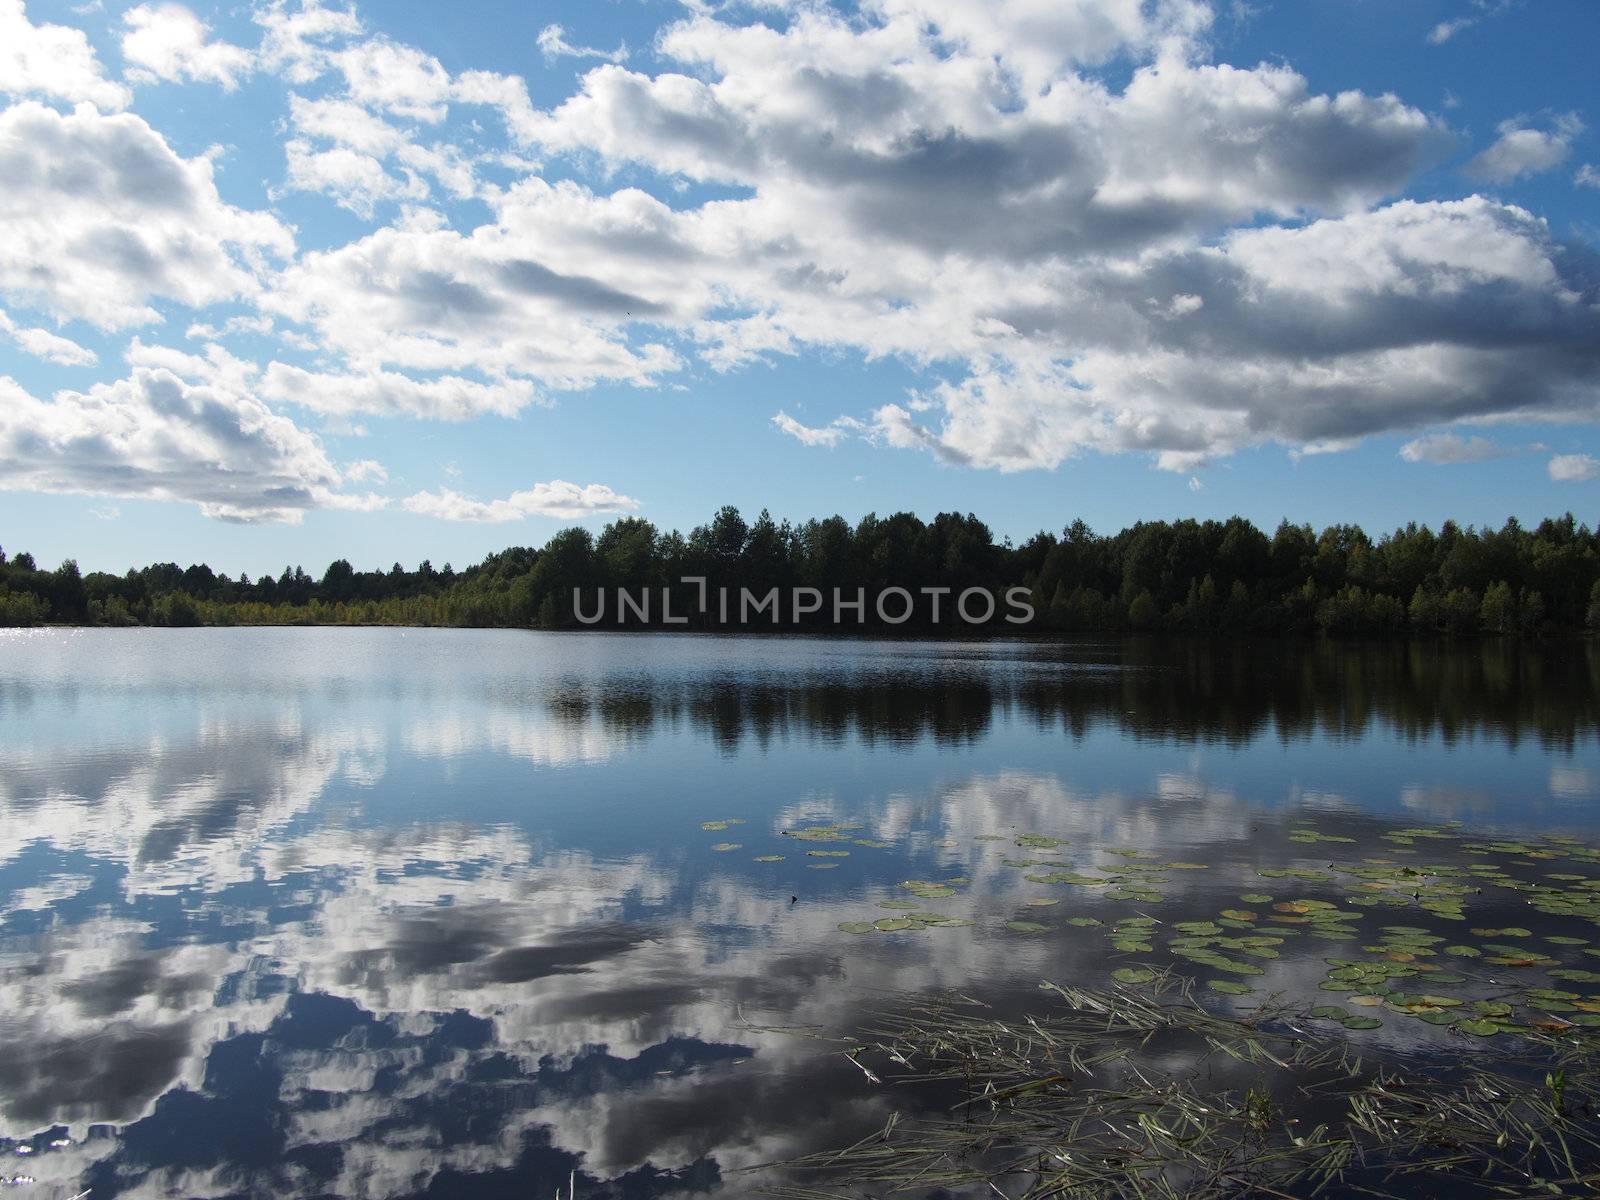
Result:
x=314 y=912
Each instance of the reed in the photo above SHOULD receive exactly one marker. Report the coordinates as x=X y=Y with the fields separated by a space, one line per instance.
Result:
x=1144 y=1092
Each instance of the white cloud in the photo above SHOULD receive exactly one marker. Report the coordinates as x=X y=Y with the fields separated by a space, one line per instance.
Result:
x=388 y=393
x=1574 y=468
x=155 y=436
x=365 y=469
x=1447 y=448
x=297 y=36
x=52 y=60
x=1588 y=176
x=355 y=172
x=553 y=43
x=558 y=498
x=1179 y=258
x=1523 y=150
x=1445 y=30
x=543 y=292
x=383 y=74
x=345 y=123
x=1481 y=11
x=99 y=217
x=353 y=180
x=168 y=42
x=806 y=435
x=41 y=343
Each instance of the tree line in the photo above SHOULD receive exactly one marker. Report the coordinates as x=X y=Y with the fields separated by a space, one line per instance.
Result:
x=1155 y=576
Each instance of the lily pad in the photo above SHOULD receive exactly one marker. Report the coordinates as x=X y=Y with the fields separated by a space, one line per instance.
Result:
x=1133 y=974
x=724 y=847
x=1229 y=987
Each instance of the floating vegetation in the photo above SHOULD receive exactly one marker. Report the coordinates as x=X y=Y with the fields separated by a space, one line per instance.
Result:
x=821 y=833
x=719 y=826
x=770 y=857
x=1061 y=1103
x=828 y=853
x=1038 y=841
x=928 y=889
x=724 y=847
x=910 y=923
x=1026 y=927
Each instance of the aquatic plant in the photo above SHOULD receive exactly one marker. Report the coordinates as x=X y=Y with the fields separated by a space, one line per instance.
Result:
x=1142 y=1091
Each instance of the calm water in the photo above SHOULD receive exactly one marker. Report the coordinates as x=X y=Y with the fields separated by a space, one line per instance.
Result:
x=386 y=913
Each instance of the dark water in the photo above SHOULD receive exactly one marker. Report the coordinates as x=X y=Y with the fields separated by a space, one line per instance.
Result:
x=384 y=913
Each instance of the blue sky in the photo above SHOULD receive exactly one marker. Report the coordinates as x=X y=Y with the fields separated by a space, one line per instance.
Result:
x=288 y=281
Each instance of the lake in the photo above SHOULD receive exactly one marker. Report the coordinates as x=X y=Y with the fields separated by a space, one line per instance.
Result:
x=317 y=912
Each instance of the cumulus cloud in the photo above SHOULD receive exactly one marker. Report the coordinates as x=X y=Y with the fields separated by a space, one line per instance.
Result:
x=353 y=180
x=299 y=37
x=168 y=42
x=1447 y=448
x=99 y=217
x=389 y=394
x=1574 y=468
x=1177 y=258
x=544 y=291
x=365 y=469
x=558 y=498
x=1525 y=150
x=154 y=436
x=379 y=73
x=41 y=343
x=52 y=60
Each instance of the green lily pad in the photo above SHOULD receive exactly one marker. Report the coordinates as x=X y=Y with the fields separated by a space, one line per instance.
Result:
x=724 y=847
x=857 y=927
x=1229 y=987
x=1133 y=974
x=1361 y=1023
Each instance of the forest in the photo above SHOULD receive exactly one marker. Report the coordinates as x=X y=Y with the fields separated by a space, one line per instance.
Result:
x=1186 y=576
